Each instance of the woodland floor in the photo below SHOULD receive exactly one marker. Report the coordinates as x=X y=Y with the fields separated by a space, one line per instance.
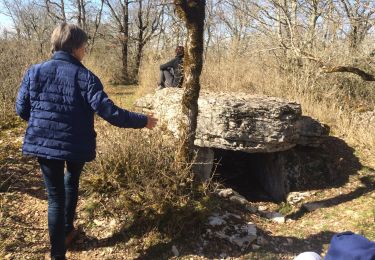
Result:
x=23 y=217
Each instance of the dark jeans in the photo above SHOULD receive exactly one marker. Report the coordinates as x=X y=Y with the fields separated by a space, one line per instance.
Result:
x=165 y=79
x=62 y=192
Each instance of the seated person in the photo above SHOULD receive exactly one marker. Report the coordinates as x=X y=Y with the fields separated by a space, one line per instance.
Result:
x=171 y=73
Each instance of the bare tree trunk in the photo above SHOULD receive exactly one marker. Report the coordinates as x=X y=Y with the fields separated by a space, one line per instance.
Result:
x=97 y=23
x=140 y=44
x=125 y=43
x=139 y=57
x=60 y=7
x=122 y=19
x=193 y=14
x=81 y=16
x=148 y=20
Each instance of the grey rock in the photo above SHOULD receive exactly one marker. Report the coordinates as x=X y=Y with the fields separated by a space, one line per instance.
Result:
x=233 y=196
x=311 y=131
x=255 y=247
x=227 y=227
x=295 y=197
x=251 y=209
x=175 y=251
x=204 y=163
x=216 y=220
x=312 y=206
x=262 y=208
x=238 y=199
x=276 y=217
x=225 y=193
x=262 y=241
x=244 y=236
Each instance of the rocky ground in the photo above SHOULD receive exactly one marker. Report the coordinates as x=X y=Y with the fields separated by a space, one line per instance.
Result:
x=236 y=229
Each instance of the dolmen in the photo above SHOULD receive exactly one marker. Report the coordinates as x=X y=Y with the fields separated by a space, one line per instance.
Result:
x=244 y=123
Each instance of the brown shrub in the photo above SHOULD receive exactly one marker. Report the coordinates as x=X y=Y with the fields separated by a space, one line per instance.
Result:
x=15 y=58
x=138 y=168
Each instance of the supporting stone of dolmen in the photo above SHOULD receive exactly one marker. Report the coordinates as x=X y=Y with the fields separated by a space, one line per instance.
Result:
x=240 y=122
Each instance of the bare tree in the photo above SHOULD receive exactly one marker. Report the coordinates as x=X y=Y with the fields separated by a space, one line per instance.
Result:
x=120 y=15
x=360 y=15
x=29 y=22
x=192 y=12
x=56 y=10
x=81 y=17
x=148 y=20
x=97 y=22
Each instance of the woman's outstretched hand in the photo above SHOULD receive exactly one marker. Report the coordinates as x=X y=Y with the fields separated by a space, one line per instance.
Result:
x=151 y=121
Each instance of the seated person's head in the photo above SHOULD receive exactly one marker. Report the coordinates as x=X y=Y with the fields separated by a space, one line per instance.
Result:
x=180 y=51
x=69 y=38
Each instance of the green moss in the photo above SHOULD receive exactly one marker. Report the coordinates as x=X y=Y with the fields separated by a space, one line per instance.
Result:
x=285 y=208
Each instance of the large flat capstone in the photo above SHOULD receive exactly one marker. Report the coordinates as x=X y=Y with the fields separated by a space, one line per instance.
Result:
x=231 y=121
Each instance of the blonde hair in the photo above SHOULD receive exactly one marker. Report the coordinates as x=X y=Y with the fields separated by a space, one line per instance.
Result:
x=68 y=37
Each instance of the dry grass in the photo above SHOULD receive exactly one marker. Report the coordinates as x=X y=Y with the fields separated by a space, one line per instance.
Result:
x=137 y=171
x=15 y=59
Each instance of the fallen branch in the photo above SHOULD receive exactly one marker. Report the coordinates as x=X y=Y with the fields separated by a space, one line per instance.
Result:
x=364 y=75
x=329 y=69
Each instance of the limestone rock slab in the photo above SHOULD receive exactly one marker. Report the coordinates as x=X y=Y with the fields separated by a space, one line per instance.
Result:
x=231 y=121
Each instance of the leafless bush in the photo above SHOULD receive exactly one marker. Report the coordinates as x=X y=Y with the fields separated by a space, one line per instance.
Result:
x=15 y=58
x=138 y=168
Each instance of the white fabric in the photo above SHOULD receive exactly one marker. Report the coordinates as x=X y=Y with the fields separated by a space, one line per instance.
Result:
x=308 y=256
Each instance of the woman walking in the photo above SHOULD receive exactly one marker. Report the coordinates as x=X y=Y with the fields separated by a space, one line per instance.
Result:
x=58 y=98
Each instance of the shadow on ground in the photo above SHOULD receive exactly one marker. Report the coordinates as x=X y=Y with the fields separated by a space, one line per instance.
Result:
x=368 y=186
x=20 y=174
x=304 y=168
x=192 y=243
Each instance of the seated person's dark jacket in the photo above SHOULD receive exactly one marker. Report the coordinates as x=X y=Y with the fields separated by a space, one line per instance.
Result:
x=176 y=65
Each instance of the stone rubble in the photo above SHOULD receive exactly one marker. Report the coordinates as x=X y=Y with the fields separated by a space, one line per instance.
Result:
x=230 y=227
x=273 y=216
x=296 y=197
x=232 y=196
x=276 y=217
x=225 y=193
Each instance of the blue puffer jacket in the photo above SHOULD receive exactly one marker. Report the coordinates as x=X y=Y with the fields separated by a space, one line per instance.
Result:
x=58 y=98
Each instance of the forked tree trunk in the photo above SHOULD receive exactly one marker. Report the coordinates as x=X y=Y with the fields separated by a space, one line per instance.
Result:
x=192 y=12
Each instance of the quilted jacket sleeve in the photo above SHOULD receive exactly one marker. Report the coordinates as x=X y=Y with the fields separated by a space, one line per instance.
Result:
x=23 y=105
x=107 y=110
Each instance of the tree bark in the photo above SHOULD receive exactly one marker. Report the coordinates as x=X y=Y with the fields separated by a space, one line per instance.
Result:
x=140 y=39
x=122 y=19
x=193 y=14
x=148 y=21
x=125 y=43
